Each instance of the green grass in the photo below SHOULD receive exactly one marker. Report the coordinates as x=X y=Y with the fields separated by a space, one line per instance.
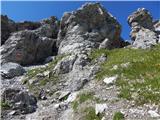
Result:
x=82 y=97
x=4 y=105
x=90 y=114
x=118 y=116
x=33 y=72
x=140 y=81
x=45 y=81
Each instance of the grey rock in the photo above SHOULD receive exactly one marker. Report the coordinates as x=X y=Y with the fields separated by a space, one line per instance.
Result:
x=141 y=17
x=65 y=65
x=49 y=59
x=157 y=29
x=10 y=70
x=143 y=33
x=101 y=59
x=77 y=84
x=42 y=95
x=86 y=28
x=153 y=114
x=145 y=38
x=26 y=47
x=20 y=101
x=63 y=95
x=110 y=80
x=105 y=44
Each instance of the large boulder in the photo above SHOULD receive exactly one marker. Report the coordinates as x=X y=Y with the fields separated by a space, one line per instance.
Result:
x=7 y=26
x=86 y=28
x=10 y=70
x=143 y=33
x=26 y=47
x=20 y=101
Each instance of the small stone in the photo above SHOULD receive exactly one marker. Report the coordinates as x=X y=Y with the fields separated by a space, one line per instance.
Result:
x=46 y=73
x=100 y=108
x=12 y=113
x=72 y=97
x=63 y=95
x=57 y=106
x=110 y=80
x=153 y=114
x=125 y=65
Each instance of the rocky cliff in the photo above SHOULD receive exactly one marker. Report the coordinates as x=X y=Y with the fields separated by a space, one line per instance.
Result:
x=80 y=67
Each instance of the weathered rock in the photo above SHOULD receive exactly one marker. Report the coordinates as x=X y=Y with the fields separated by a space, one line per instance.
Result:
x=7 y=26
x=86 y=28
x=10 y=70
x=20 y=101
x=143 y=32
x=145 y=38
x=26 y=47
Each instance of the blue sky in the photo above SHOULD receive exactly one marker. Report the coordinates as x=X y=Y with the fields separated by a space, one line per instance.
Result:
x=35 y=11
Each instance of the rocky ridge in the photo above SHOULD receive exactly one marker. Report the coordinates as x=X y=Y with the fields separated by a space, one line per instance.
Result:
x=64 y=87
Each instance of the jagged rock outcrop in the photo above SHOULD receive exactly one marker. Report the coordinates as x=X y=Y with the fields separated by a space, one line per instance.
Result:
x=86 y=28
x=26 y=47
x=7 y=26
x=143 y=32
x=31 y=46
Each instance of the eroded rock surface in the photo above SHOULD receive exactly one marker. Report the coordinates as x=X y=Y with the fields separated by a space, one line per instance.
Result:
x=33 y=43
x=143 y=32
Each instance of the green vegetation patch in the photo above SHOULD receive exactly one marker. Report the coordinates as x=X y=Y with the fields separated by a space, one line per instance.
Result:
x=140 y=80
x=4 y=105
x=83 y=97
x=91 y=115
x=118 y=116
x=42 y=82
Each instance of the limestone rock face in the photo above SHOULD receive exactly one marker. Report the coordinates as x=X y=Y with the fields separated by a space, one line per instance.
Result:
x=26 y=47
x=31 y=46
x=7 y=26
x=143 y=33
x=86 y=28
x=145 y=38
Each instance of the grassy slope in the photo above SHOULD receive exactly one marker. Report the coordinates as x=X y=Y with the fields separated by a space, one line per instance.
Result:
x=140 y=81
